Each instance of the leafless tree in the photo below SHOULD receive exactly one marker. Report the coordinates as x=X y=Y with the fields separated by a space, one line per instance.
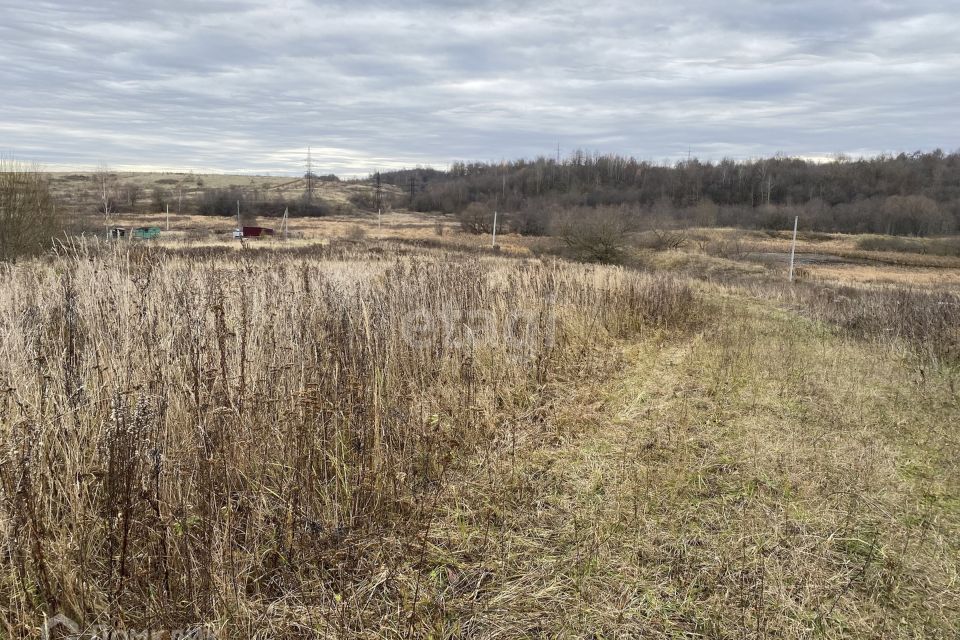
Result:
x=476 y=218
x=105 y=182
x=133 y=192
x=667 y=239
x=28 y=210
x=594 y=236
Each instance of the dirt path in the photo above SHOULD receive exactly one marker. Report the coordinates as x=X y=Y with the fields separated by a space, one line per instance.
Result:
x=764 y=479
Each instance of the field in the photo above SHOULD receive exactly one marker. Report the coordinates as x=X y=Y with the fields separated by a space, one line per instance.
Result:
x=390 y=429
x=190 y=185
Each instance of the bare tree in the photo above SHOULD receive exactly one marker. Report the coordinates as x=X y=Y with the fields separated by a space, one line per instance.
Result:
x=594 y=235
x=134 y=192
x=159 y=199
x=180 y=192
x=28 y=211
x=476 y=218
x=667 y=239
x=105 y=181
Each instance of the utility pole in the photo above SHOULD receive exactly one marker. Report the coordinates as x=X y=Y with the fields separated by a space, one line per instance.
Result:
x=378 y=197
x=793 y=247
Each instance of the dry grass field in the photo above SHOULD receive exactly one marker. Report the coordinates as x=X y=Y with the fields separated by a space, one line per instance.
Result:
x=191 y=184
x=393 y=431
x=832 y=258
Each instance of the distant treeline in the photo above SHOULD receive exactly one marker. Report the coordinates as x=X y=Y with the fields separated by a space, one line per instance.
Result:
x=224 y=202
x=906 y=194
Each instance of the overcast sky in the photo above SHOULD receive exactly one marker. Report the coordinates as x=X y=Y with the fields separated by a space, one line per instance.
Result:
x=247 y=86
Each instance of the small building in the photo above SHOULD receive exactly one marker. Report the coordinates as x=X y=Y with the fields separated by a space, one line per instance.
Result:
x=252 y=232
x=118 y=232
x=146 y=233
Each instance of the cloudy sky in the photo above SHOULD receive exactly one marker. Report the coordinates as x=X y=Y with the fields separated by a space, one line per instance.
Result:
x=247 y=86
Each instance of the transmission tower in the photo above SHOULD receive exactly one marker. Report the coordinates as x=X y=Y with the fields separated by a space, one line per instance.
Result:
x=308 y=195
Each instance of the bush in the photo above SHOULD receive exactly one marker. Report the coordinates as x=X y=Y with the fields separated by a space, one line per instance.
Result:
x=929 y=322
x=159 y=199
x=28 y=215
x=663 y=240
x=295 y=208
x=530 y=221
x=220 y=202
x=476 y=218
x=366 y=200
x=355 y=233
x=594 y=235
x=732 y=247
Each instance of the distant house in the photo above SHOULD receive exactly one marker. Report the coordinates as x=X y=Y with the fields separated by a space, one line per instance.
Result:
x=252 y=232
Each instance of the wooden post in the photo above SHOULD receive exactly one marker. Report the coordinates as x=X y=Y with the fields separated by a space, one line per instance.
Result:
x=793 y=247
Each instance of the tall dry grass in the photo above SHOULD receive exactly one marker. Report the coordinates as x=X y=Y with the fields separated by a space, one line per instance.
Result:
x=924 y=322
x=258 y=441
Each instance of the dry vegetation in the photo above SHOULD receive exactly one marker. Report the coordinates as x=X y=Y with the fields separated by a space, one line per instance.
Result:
x=398 y=433
x=127 y=193
x=28 y=211
x=233 y=440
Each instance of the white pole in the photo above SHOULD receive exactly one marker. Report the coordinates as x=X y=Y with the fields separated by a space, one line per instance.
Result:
x=285 y=212
x=378 y=220
x=494 y=242
x=793 y=247
x=168 y=216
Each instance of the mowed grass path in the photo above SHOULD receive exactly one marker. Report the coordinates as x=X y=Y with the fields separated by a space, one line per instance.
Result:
x=764 y=478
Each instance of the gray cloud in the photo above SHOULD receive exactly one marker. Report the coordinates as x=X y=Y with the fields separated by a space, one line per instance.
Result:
x=246 y=86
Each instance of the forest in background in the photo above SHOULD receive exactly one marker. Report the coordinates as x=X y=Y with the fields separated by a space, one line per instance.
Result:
x=907 y=194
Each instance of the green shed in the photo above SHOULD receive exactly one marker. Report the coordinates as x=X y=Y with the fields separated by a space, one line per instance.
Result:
x=146 y=233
